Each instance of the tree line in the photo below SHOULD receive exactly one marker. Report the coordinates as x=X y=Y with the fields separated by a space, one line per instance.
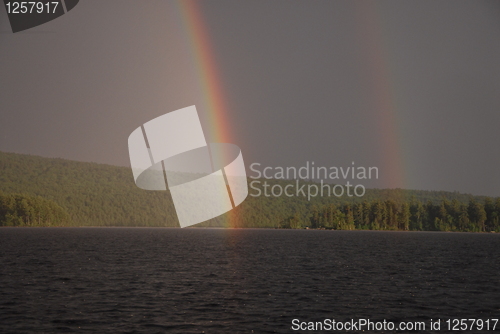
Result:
x=25 y=210
x=103 y=195
x=413 y=215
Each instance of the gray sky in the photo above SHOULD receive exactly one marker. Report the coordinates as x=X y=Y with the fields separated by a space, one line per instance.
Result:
x=410 y=87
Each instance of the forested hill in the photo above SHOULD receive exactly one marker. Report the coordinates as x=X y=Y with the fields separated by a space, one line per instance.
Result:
x=92 y=194
x=102 y=195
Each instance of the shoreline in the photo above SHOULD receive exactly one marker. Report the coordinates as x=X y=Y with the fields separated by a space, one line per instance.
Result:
x=234 y=228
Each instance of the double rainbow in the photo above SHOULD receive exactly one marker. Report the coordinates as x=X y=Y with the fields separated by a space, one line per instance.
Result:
x=382 y=85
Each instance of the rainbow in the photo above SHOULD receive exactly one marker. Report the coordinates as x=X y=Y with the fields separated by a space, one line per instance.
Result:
x=383 y=92
x=377 y=58
x=214 y=99
x=374 y=48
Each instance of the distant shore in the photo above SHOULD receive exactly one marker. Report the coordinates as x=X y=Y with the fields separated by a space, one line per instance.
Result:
x=230 y=228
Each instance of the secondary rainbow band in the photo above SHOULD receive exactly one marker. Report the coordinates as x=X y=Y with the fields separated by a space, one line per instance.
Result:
x=383 y=93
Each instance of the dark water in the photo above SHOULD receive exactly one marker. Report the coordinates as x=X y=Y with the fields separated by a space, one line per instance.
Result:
x=151 y=280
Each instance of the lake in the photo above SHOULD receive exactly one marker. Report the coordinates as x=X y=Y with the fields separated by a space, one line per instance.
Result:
x=165 y=280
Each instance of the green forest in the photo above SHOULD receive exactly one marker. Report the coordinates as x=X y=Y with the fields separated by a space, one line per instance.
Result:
x=406 y=216
x=24 y=210
x=36 y=191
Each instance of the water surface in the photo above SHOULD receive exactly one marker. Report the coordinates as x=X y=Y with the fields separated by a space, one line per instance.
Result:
x=157 y=280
